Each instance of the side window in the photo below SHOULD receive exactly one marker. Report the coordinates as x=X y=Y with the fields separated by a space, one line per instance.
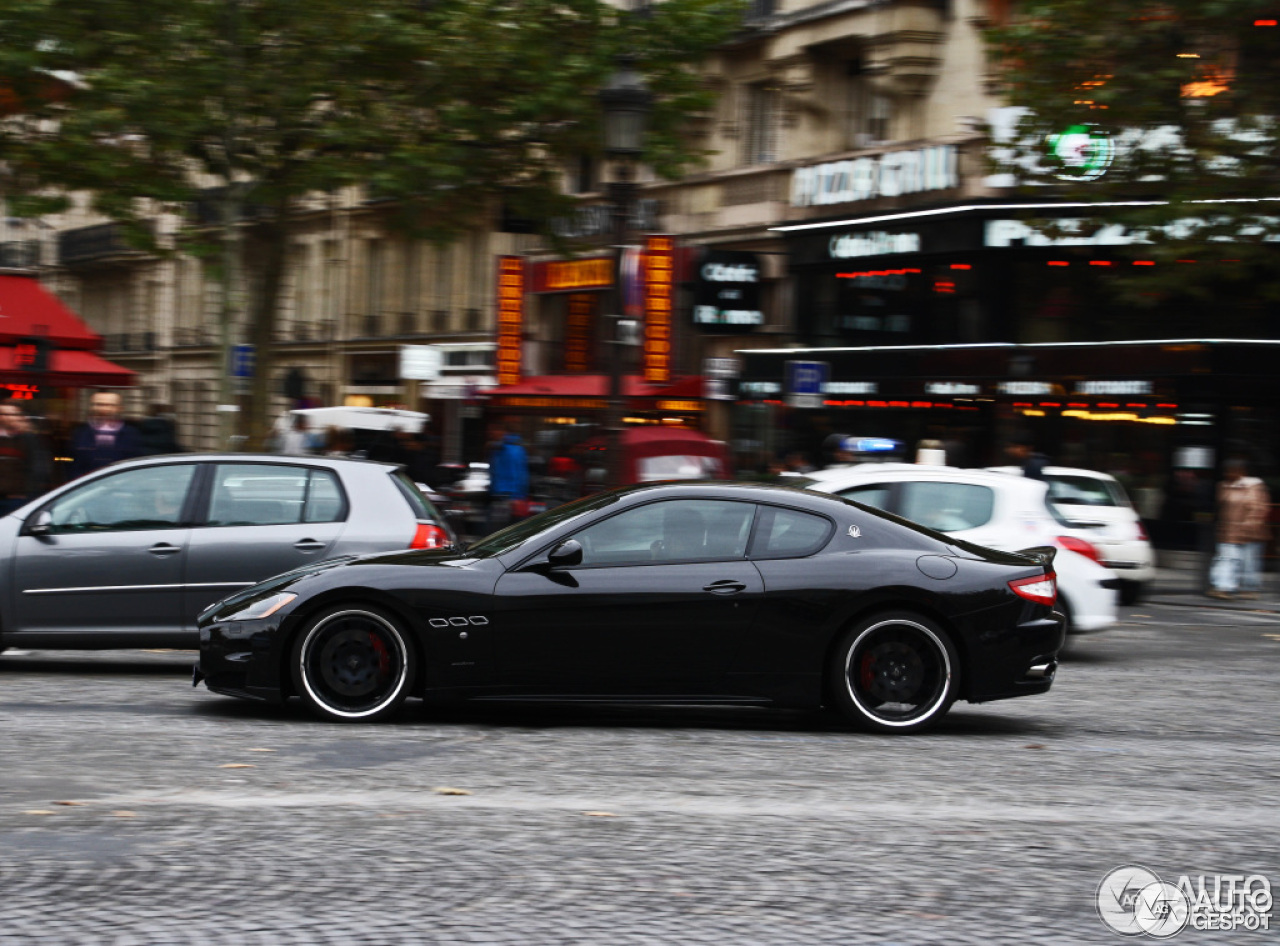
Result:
x=679 y=530
x=947 y=507
x=245 y=494
x=789 y=533
x=875 y=494
x=149 y=498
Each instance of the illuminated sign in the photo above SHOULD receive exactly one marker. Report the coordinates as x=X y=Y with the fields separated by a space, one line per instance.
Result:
x=595 y=272
x=727 y=291
x=577 y=331
x=884 y=175
x=510 y=318
x=1115 y=388
x=1080 y=153
x=851 y=387
x=659 y=265
x=952 y=388
x=877 y=243
x=1025 y=388
x=21 y=392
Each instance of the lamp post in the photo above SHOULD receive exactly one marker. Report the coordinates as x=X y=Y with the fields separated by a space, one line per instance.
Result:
x=626 y=102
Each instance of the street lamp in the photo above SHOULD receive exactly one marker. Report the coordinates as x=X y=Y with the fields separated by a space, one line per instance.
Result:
x=626 y=102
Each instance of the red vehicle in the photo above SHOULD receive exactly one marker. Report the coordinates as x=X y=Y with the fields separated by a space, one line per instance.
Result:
x=659 y=453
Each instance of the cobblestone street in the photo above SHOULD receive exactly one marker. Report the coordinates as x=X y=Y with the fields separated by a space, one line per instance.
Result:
x=136 y=810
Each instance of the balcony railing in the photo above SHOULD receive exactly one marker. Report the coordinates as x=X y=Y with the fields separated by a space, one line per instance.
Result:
x=19 y=254
x=99 y=243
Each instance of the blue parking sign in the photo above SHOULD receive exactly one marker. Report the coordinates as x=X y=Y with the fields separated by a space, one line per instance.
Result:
x=242 y=361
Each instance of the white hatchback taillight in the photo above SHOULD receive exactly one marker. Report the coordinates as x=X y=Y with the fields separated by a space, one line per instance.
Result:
x=1041 y=590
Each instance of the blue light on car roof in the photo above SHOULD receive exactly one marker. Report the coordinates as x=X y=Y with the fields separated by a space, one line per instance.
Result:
x=870 y=445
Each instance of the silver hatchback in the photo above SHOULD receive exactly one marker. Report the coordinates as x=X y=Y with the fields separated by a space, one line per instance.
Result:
x=128 y=556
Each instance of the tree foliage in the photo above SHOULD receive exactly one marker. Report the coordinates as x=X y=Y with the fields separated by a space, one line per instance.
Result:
x=443 y=107
x=1189 y=92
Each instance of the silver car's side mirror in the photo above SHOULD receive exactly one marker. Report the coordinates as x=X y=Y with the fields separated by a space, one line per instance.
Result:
x=40 y=524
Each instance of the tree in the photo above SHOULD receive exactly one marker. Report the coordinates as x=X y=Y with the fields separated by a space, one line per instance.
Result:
x=443 y=107
x=1183 y=98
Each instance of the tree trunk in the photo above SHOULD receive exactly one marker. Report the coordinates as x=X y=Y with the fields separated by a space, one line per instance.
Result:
x=270 y=246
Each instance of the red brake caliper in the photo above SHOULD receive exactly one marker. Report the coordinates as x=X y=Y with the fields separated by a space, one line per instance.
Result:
x=384 y=656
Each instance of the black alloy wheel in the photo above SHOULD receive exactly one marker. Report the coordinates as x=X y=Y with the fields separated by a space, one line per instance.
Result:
x=896 y=672
x=353 y=663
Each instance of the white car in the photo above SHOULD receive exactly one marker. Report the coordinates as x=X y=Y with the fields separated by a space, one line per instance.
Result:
x=1099 y=512
x=992 y=509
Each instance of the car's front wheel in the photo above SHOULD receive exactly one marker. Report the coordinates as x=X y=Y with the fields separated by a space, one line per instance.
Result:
x=353 y=663
x=894 y=672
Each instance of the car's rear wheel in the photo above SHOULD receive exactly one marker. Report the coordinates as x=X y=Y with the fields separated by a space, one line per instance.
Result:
x=353 y=663
x=894 y=672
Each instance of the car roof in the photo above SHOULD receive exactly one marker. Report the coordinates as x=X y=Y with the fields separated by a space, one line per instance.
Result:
x=1056 y=471
x=265 y=459
x=923 y=471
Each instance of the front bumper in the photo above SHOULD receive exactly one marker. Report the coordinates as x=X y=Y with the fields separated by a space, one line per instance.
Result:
x=241 y=658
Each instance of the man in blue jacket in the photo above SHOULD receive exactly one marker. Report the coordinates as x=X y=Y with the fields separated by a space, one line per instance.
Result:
x=104 y=438
x=508 y=476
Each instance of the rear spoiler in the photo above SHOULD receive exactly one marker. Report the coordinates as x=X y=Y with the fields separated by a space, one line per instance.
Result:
x=1041 y=553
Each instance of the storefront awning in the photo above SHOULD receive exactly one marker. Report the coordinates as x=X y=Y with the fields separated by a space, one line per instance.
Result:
x=591 y=391
x=27 y=309
x=70 y=369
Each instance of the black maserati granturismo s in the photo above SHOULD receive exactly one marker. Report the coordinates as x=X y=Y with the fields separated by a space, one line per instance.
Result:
x=735 y=593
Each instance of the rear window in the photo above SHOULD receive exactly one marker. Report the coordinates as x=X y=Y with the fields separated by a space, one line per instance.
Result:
x=422 y=507
x=947 y=507
x=1085 y=491
x=672 y=467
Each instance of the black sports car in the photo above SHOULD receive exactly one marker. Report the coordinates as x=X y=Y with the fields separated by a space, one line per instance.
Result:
x=667 y=592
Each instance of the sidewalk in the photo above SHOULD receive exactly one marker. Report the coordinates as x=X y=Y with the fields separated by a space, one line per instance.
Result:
x=1180 y=580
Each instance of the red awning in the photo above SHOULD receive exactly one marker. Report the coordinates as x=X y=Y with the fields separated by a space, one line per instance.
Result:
x=28 y=309
x=573 y=385
x=67 y=369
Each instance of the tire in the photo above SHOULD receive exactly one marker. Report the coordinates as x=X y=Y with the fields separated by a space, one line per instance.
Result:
x=353 y=663
x=894 y=672
x=1131 y=592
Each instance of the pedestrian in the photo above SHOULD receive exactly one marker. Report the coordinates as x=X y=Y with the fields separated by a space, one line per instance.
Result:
x=295 y=439
x=1244 y=505
x=1022 y=451
x=24 y=460
x=104 y=437
x=159 y=431
x=508 y=477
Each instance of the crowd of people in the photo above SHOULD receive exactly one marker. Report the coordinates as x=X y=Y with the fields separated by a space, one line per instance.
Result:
x=37 y=454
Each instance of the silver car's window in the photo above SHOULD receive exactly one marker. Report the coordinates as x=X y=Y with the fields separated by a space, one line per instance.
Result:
x=789 y=533
x=256 y=494
x=147 y=498
x=947 y=507
x=678 y=530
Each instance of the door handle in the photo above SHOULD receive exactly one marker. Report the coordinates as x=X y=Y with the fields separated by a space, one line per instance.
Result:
x=164 y=548
x=725 y=586
x=308 y=545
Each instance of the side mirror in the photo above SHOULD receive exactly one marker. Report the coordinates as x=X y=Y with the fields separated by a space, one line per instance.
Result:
x=566 y=554
x=40 y=524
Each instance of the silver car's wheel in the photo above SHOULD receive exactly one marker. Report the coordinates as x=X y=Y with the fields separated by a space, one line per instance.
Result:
x=353 y=663
x=895 y=672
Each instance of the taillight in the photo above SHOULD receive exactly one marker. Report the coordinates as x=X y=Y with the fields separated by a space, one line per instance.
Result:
x=1042 y=589
x=1080 y=545
x=1142 y=533
x=429 y=536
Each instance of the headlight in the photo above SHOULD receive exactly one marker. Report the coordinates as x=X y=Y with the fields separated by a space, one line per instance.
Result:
x=259 y=607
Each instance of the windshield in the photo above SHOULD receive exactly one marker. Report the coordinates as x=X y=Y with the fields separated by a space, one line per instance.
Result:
x=504 y=540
